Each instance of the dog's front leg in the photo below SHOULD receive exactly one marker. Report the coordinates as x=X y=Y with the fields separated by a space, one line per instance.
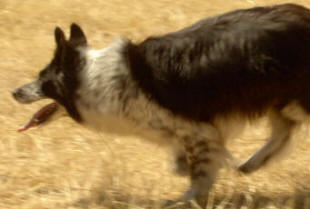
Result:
x=204 y=158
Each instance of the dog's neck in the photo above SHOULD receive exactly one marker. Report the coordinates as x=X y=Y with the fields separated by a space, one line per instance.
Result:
x=106 y=89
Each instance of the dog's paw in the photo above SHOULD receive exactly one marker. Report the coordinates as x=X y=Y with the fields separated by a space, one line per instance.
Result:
x=246 y=167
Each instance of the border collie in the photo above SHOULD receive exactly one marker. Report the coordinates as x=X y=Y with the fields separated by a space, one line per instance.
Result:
x=189 y=88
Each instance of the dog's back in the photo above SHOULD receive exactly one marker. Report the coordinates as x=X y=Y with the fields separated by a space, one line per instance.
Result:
x=246 y=61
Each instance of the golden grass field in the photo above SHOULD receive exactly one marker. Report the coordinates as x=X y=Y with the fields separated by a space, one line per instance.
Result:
x=64 y=165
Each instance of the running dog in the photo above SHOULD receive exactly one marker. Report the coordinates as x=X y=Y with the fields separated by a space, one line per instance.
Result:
x=189 y=88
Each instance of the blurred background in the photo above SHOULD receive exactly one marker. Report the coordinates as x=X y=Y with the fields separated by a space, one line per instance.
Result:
x=64 y=165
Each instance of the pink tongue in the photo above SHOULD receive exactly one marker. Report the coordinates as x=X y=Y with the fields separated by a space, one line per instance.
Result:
x=40 y=117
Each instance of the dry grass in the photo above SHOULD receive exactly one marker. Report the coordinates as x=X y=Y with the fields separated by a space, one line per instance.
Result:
x=66 y=166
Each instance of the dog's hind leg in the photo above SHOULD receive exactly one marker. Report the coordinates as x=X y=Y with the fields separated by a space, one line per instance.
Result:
x=282 y=128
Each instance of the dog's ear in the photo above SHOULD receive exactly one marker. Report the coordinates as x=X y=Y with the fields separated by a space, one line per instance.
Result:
x=77 y=36
x=59 y=37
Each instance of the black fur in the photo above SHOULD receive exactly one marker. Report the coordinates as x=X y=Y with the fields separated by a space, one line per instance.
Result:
x=244 y=62
x=67 y=60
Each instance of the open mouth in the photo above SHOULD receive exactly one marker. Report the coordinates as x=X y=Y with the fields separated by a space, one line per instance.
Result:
x=41 y=116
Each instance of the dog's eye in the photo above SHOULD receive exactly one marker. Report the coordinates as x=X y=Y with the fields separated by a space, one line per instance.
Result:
x=47 y=72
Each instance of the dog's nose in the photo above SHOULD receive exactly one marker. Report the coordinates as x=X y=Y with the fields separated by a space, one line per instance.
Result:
x=16 y=93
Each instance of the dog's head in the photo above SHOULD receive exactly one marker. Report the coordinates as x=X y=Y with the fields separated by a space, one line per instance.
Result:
x=59 y=79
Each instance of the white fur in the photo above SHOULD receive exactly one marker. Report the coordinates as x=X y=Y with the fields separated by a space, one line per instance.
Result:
x=96 y=89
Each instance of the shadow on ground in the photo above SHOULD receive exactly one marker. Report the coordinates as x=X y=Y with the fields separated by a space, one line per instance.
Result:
x=298 y=200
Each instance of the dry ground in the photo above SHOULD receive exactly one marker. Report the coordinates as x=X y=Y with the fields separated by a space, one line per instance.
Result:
x=65 y=166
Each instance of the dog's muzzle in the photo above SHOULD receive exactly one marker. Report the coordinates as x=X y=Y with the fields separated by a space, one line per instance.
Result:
x=28 y=93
